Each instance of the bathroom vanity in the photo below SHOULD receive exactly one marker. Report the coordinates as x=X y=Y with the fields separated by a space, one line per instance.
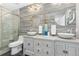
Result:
x=38 y=46
x=50 y=46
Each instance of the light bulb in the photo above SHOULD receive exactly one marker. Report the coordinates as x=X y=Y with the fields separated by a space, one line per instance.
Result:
x=34 y=8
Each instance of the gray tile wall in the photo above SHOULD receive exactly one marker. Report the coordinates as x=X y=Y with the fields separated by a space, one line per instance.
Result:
x=28 y=24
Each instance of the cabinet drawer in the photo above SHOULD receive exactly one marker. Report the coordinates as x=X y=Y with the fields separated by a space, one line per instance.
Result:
x=48 y=44
x=38 y=43
x=48 y=52
x=28 y=44
x=59 y=50
x=38 y=51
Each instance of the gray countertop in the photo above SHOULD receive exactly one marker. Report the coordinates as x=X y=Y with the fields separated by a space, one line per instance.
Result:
x=55 y=38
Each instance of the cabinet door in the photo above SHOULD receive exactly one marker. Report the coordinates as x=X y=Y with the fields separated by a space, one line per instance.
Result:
x=59 y=50
x=71 y=51
x=38 y=51
x=29 y=44
x=48 y=47
x=38 y=47
x=48 y=52
x=77 y=51
x=38 y=43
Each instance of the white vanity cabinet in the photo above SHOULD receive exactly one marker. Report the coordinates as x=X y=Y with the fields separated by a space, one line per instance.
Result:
x=49 y=47
x=38 y=47
x=65 y=49
x=43 y=47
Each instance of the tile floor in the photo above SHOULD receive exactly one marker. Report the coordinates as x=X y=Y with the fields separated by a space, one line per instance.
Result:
x=8 y=54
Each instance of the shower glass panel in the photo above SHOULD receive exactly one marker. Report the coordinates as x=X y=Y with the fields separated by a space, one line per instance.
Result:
x=6 y=29
x=9 y=23
x=15 y=22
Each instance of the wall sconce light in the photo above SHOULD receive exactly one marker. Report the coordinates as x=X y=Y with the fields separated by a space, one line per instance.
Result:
x=34 y=8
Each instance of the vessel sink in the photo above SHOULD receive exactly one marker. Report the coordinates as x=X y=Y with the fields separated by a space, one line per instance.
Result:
x=66 y=35
x=31 y=33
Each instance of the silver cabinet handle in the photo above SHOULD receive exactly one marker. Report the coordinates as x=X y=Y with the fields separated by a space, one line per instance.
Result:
x=47 y=52
x=64 y=51
x=47 y=45
x=38 y=44
x=28 y=44
x=38 y=50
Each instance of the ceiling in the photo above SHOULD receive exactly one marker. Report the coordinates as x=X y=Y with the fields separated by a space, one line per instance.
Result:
x=13 y=6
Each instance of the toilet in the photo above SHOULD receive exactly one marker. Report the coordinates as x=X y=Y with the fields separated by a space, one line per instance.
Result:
x=16 y=46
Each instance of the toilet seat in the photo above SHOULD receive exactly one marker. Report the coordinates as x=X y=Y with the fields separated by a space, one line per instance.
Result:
x=16 y=43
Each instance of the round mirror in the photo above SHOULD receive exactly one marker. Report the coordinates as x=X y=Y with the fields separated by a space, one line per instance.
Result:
x=66 y=18
x=60 y=19
x=69 y=16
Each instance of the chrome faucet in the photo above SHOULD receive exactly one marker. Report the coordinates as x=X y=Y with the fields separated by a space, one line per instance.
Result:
x=69 y=30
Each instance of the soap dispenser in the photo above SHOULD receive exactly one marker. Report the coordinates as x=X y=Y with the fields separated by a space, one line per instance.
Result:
x=45 y=28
